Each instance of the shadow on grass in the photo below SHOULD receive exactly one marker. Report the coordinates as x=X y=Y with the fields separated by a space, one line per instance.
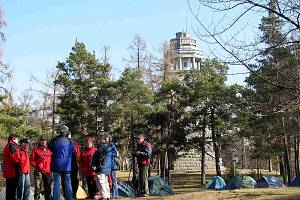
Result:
x=186 y=182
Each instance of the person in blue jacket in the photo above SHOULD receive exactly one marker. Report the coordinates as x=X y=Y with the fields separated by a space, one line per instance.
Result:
x=62 y=149
x=101 y=163
x=114 y=168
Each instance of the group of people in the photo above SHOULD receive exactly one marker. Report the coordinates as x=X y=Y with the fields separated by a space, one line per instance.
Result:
x=61 y=160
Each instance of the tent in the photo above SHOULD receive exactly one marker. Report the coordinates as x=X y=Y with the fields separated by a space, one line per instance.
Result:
x=3 y=191
x=295 y=182
x=241 y=181
x=216 y=182
x=125 y=190
x=269 y=182
x=81 y=194
x=159 y=187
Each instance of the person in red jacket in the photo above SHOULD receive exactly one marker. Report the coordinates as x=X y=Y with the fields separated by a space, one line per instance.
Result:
x=11 y=160
x=40 y=160
x=23 y=189
x=143 y=154
x=85 y=166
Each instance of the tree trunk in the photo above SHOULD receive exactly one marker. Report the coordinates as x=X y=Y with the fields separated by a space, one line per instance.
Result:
x=162 y=154
x=243 y=154
x=167 y=169
x=158 y=165
x=289 y=146
x=162 y=165
x=203 y=152
x=257 y=168
x=286 y=153
x=270 y=165
x=282 y=170
x=133 y=162
x=296 y=150
x=215 y=142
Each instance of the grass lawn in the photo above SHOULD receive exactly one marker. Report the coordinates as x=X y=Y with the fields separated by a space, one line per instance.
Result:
x=186 y=184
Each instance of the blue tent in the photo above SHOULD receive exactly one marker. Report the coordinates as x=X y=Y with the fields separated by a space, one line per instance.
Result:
x=125 y=190
x=269 y=182
x=241 y=181
x=216 y=182
x=295 y=182
x=159 y=186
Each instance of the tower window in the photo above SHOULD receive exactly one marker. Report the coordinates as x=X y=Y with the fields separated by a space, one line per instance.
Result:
x=185 y=64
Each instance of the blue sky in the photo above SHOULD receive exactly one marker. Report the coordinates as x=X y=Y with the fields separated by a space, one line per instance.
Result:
x=41 y=33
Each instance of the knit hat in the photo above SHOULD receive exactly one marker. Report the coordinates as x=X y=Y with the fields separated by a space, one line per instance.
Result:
x=24 y=141
x=101 y=133
x=43 y=138
x=140 y=136
x=63 y=128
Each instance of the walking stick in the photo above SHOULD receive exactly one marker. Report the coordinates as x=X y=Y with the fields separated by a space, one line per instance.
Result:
x=130 y=168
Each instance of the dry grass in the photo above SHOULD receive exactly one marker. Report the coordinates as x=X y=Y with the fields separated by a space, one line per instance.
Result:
x=186 y=184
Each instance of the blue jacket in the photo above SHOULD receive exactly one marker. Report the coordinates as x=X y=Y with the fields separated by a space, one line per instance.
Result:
x=114 y=153
x=62 y=149
x=102 y=159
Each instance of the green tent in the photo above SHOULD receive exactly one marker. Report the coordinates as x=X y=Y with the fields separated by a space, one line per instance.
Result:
x=241 y=181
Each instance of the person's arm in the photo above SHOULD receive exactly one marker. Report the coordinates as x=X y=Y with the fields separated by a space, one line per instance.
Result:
x=32 y=157
x=80 y=160
x=50 y=145
x=77 y=151
x=114 y=151
x=147 y=151
x=95 y=161
x=14 y=154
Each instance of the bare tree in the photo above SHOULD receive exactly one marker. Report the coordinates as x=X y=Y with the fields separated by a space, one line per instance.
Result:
x=138 y=53
x=140 y=59
x=105 y=56
x=5 y=72
x=230 y=30
x=159 y=66
x=48 y=103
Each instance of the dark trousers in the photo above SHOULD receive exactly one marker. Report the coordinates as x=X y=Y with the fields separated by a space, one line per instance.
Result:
x=74 y=183
x=11 y=188
x=143 y=179
x=39 y=180
x=91 y=185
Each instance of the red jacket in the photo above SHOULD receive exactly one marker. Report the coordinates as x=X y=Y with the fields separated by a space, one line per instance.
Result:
x=86 y=161
x=77 y=151
x=40 y=158
x=145 y=150
x=11 y=160
x=24 y=161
